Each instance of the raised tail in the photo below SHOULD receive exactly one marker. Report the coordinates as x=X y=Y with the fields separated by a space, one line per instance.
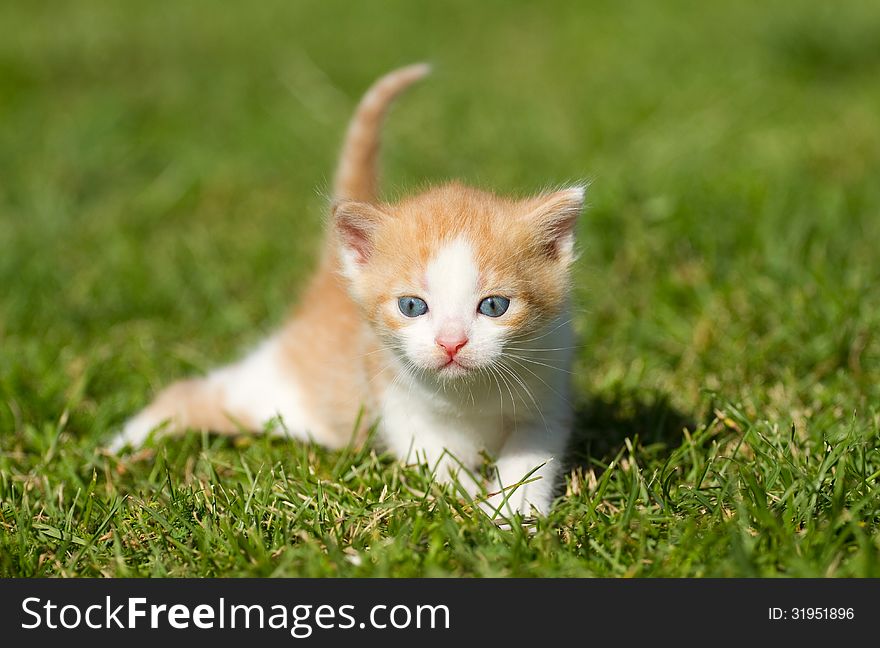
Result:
x=356 y=175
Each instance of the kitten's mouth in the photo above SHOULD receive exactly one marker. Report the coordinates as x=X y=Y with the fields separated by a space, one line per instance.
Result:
x=453 y=367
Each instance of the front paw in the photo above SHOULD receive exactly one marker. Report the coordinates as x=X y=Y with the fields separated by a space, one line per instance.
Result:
x=527 y=500
x=506 y=504
x=135 y=432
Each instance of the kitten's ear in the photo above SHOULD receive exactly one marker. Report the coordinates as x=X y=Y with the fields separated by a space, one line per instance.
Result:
x=554 y=216
x=356 y=224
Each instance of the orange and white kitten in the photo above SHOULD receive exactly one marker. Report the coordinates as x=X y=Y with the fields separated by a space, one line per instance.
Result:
x=444 y=317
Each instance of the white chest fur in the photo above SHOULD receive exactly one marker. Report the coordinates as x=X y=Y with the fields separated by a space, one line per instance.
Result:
x=517 y=412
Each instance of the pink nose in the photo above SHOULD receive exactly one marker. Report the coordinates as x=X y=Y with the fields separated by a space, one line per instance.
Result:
x=451 y=344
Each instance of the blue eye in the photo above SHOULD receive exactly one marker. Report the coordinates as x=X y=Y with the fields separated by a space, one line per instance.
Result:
x=494 y=306
x=412 y=306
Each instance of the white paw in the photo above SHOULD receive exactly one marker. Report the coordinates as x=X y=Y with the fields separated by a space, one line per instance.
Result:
x=515 y=500
x=134 y=433
x=495 y=506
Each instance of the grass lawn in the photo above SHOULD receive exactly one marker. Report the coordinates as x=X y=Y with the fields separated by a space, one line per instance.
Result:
x=163 y=176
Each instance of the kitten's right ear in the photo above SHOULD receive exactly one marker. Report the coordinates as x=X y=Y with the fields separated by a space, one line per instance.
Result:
x=356 y=224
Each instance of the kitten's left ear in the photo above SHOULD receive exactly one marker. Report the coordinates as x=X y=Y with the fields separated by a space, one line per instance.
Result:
x=554 y=216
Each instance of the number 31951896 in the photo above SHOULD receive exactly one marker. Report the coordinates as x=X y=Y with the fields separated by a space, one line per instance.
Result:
x=810 y=614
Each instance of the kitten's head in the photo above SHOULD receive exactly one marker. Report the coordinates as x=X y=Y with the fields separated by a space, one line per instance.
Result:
x=449 y=277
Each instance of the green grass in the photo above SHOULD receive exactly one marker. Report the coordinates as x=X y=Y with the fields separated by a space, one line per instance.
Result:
x=163 y=172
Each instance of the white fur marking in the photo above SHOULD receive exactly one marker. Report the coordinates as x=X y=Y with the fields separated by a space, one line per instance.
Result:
x=260 y=388
x=452 y=277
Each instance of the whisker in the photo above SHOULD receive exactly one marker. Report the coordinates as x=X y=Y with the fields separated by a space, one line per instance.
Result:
x=390 y=347
x=520 y=364
x=513 y=401
x=383 y=369
x=543 y=335
x=510 y=372
x=568 y=348
x=509 y=391
x=536 y=362
x=498 y=384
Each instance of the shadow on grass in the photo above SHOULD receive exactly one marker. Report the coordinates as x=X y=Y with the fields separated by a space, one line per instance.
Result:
x=603 y=423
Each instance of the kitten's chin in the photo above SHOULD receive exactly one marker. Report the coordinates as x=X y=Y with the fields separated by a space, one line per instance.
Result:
x=447 y=369
x=453 y=370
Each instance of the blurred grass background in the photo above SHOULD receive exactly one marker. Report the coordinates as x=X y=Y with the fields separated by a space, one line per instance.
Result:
x=163 y=176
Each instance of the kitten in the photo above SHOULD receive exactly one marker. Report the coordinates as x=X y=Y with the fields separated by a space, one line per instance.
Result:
x=443 y=317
